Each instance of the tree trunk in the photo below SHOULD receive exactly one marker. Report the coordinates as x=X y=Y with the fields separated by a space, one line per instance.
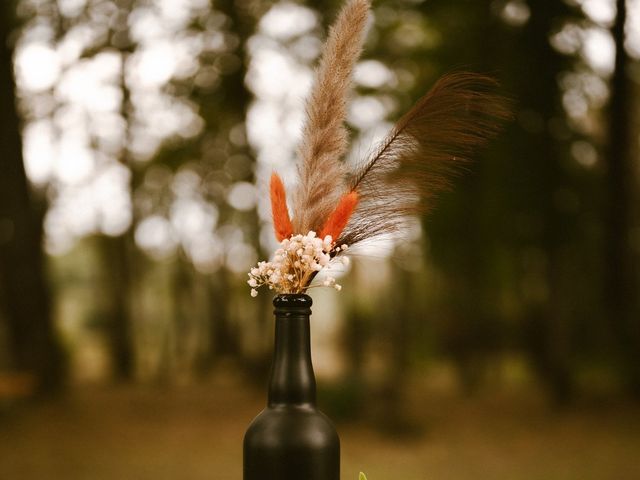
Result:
x=620 y=288
x=115 y=256
x=23 y=290
x=400 y=317
x=120 y=250
x=551 y=315
x=224 y=335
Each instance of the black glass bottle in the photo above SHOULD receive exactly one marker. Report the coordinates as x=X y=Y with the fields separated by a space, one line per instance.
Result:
x=291 y=439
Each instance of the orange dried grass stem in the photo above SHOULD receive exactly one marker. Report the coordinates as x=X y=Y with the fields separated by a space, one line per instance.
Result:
x=340 y=216
x=280 y=213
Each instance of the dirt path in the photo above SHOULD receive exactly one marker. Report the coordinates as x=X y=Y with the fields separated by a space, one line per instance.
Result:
x=195 y=433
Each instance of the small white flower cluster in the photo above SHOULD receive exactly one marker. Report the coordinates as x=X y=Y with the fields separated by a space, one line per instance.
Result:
x=295 y=264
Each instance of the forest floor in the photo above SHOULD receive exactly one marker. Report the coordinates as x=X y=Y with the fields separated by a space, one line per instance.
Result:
x=195 y=433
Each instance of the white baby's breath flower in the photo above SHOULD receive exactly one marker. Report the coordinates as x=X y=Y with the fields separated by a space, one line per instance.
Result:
x=295 y=264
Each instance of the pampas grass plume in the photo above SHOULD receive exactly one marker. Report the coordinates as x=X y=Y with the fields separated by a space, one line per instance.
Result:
x=324 y=136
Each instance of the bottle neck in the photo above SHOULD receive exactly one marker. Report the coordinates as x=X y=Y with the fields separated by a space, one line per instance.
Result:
x=292 y=380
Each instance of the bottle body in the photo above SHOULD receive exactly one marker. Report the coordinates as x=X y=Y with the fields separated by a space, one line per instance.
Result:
x=291 y=443
x=291 y=439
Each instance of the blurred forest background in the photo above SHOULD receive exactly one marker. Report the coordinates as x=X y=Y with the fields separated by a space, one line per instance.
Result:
x=500 y=339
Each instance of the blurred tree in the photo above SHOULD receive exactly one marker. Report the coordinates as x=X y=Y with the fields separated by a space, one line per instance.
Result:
x=400 y=325
x=224 y=114
x=122 y=252
x=24 y=295
x=223 y=160
x=469 y=239
x=620 y=281
x=117 y=252
x=538 y=66
x=513 y=205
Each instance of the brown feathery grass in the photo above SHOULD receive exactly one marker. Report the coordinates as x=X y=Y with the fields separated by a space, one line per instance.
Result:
x=322 y=174
x=426 y=148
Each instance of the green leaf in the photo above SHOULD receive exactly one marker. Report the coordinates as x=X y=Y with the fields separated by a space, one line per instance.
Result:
x=362 y=476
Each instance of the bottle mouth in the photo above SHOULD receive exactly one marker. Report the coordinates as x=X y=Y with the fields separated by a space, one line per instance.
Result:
x=292 y=300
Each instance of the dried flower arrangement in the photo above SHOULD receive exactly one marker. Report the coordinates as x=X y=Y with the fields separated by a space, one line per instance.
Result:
x=335 y=206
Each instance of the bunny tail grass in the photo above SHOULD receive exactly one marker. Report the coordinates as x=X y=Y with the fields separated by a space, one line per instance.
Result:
x=281 y=222
x=340 y=217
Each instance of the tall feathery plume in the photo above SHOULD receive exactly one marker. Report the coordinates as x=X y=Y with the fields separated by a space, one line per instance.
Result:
x=324 y=140
x=425 y=149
